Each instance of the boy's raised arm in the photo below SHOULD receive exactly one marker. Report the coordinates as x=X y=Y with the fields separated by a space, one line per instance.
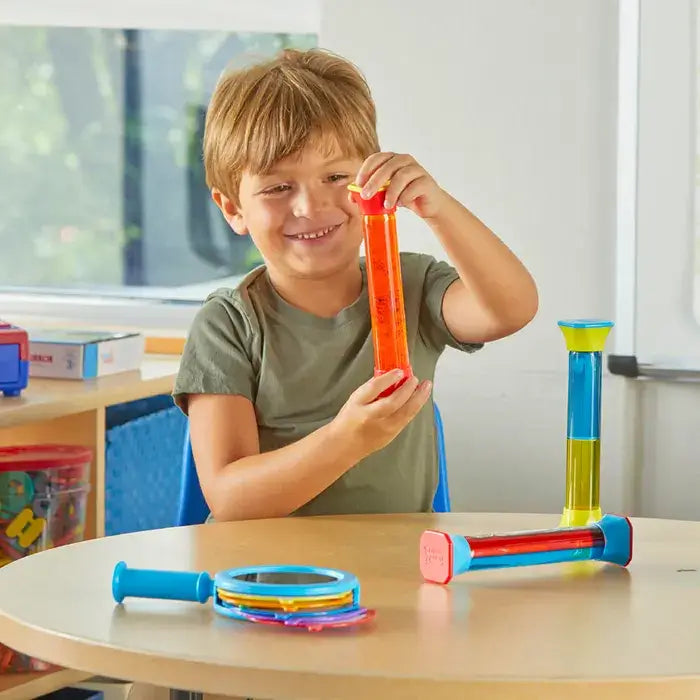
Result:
x=495 y=294
x=241 y=483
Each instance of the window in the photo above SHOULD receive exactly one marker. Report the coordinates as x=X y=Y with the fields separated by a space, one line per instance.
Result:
x=696 y=113
x=100 y=156
x=658 y=254
x=101 y=175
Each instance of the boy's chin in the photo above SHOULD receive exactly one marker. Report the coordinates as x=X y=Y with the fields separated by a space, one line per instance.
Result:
x=320 y=269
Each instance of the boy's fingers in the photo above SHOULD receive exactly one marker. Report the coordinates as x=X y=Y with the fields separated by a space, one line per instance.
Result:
x=388 y=405
x=368 y=392
x=387 y=172
x=370 y=165
x=384 y=173
x=400 y=181
x=410 y=409
x=411 y=192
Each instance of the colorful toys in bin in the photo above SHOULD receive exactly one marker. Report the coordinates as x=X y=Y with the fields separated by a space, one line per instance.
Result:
x=305 y=597
x=43 y=499
x=444 y=556
x=14 y=359
x=385 y=286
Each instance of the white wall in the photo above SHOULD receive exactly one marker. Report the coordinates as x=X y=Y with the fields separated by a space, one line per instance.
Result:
x=512 y=107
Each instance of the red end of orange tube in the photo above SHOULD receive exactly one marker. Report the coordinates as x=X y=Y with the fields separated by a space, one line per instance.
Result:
x=374 y=206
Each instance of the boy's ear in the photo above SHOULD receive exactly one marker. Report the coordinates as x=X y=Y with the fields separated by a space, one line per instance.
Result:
x=231 y=213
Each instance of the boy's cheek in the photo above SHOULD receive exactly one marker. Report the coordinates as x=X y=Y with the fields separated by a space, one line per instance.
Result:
x=355 y=227
x=268 y=219
x=353 y=214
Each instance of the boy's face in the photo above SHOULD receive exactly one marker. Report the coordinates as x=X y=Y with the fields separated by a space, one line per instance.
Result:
x=299 y=215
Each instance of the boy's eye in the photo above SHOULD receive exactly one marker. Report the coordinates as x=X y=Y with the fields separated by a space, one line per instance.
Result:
x=277 y=189
x=338 y=177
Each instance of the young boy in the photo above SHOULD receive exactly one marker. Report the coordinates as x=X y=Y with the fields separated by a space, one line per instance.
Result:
x=276 y=375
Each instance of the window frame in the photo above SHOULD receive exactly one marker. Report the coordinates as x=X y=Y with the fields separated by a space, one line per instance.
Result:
x=146 y=307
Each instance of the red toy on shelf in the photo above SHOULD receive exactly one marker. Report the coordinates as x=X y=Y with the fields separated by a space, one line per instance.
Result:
x=14 y=359
x=385 y=285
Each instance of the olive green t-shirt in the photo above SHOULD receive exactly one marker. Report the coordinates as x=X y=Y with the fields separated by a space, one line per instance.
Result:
x=299 y=369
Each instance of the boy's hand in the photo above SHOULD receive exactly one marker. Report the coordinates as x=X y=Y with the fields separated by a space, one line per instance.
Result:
x=411 y=185
x=366 y=423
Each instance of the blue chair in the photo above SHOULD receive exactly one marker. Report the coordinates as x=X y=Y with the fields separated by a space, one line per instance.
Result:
x=193 y=509
x=441 y=500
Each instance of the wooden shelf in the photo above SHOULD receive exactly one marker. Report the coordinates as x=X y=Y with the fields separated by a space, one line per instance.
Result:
x=45 y=399
x=22 y=686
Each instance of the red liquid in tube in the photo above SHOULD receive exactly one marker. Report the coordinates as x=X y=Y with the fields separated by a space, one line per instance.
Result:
x=538 y=541
x=385 y=287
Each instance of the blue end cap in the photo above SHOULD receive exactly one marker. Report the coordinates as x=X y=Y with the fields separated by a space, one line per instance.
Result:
x=461 y=555
x=586 y=323
x=204 y=587
x=617 y=532
x=117 y=588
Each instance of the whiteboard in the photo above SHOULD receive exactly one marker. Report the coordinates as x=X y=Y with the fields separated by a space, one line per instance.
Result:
x=656 y=184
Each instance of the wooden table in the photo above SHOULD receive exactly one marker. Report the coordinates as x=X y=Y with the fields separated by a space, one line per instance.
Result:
x=556 y=631
x=71 y=411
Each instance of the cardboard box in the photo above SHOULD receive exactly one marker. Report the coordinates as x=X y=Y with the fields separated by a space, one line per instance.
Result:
x=69 y=354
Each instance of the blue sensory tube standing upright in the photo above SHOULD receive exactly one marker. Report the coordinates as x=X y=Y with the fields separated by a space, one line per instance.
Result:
x=585 y=341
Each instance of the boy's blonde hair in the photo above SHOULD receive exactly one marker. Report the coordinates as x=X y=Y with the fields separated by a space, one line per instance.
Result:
x=263 y=113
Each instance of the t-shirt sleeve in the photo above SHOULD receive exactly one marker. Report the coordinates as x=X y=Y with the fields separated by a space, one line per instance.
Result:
x=439 y=275
x=217 y=355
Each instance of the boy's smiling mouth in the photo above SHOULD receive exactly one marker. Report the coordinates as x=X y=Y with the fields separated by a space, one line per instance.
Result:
x=315 y=234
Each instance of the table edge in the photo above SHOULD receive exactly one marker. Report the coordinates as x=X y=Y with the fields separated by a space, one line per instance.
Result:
x=210 y=677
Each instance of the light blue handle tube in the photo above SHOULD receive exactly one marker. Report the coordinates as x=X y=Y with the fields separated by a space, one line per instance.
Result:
x=168 y=585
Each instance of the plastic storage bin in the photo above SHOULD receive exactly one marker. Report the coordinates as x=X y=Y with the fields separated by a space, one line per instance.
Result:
x=43 y=501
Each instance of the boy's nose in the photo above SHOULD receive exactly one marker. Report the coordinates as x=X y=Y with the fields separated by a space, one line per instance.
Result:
x=309 y=201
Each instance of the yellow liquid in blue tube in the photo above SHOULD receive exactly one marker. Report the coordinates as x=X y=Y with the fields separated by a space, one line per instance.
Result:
x=582 y=504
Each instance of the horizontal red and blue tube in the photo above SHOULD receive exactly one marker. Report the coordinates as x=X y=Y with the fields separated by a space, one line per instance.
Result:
x=444 y=556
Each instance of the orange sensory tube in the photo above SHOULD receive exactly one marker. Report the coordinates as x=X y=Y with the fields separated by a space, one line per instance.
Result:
x=385 y=286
